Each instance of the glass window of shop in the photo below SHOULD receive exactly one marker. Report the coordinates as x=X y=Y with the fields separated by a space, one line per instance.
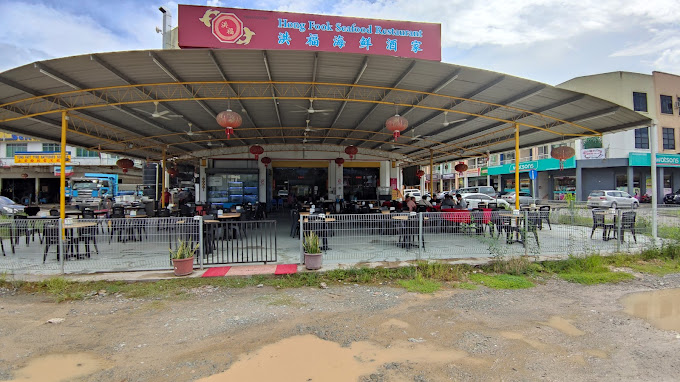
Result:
x=13 y=148
x=301 y=182
x=524 y=185
x=564 y=185
x=84 y=153
x=232 y=189
x=50 y=147
x=543 y=152
x=361 y=183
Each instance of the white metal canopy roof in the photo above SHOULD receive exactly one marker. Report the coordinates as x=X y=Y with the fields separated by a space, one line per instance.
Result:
x=453 y=111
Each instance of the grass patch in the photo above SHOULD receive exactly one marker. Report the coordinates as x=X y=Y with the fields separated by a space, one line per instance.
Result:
x=421 y=285
x=501 y=281
x=465 y=285
x=591 y=278
x=657 y=267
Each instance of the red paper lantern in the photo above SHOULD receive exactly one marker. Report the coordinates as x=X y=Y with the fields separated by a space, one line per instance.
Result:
x=256 y=150
x=351 y=151
x=396 y=124
x=125 y=164
x=173 y=172
x=229 y=120
x=562 y=153
x=24 y=175
x=420 y=173
x=461 y=167
x=339 y=161
x=266 y=161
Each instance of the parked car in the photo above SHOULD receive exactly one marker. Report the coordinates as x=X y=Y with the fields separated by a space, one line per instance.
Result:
x=9 y=207
x=488 y=190
x=524 y=198
x=672 y=198
x=443 y=194
x=413 y=192
x=611 y=199
x=283 y=193
x=474 y=199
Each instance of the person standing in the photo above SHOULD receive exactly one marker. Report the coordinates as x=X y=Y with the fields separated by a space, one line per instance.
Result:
x=166 y=197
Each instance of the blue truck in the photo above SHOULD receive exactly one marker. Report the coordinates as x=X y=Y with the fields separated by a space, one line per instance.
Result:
x=92 y=188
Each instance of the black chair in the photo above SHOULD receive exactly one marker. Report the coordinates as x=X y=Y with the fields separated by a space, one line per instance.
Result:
x=22 y=226
x=544 y=214
x=533 y=220
x=295 y=223
x=54 y=212
x=477 y=221
x=492 y=205
x=51 y=237
x=598 y=222
x=88 y=235
x=627 y=223
x=118 y=224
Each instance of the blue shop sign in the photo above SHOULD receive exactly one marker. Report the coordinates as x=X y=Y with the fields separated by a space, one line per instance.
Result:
x=662 y=160
x=538 y=165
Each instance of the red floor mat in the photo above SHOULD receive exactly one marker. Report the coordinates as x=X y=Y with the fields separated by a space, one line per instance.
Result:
x=216 y=272
x=286 y=269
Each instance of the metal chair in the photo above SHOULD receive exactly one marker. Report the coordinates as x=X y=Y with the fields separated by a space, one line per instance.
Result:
x=598 y=221
x=544 y=214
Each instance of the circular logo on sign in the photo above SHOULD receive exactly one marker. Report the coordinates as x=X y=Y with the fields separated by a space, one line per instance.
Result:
x=227 y=27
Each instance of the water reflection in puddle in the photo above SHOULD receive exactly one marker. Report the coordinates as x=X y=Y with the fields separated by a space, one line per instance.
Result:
x=59 y=367
x=661 y=308
x=309 y=358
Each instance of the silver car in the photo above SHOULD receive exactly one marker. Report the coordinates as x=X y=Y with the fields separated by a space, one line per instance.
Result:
x=473 y=200
x=524 y=198
x=611 y=199
x=8 y=207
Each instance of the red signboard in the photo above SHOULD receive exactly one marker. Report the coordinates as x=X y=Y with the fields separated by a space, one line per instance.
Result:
x=231 y=28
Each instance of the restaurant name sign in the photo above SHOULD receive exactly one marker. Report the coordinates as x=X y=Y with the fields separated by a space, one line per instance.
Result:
x=538 y=165
x=40 y=157
x=233 y=28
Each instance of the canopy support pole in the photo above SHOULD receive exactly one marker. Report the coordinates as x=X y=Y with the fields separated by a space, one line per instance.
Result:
x=62 y=172
x=431 y=175
x=163 y=178
x=517 y=166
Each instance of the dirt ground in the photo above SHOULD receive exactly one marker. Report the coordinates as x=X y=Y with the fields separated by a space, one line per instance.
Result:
x=556 y=332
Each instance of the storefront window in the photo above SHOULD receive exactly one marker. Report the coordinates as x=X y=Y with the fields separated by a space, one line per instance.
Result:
x=360 y=183
x=564 y=185
x=621 y=182
x=232 y=188
x=15 y=148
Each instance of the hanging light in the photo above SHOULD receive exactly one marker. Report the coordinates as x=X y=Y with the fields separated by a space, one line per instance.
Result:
x=461 y=168
x=24 y=175
x=420 y=173
x=173 y=172
x=266 y=161
x=562 y=153
x=351 y=151
x=339 y=161
x=229 y=120
x=396 y=124
x=125 y=164
x=256 y=150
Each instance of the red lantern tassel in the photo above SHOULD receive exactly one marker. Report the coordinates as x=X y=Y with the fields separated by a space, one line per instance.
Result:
x=396 y=135
x=561 y=165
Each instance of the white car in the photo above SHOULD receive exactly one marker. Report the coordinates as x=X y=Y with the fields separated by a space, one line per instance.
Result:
x=473 y=200
x=441 y=195
x=413 y=192
x=611 y=199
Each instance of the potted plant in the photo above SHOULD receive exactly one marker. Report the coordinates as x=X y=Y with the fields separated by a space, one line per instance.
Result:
x=183 y=258
x=312 y=251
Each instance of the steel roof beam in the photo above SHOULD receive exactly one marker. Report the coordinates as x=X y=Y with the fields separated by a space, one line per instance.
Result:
x=451 y=77
x=60 y=77
x=516 y=118
x=357 y=78
x=375 y=106
x=276 y=104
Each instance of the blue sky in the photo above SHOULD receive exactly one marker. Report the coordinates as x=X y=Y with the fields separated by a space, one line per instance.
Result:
x=544 y=40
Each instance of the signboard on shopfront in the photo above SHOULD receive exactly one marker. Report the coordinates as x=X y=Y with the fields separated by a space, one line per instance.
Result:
x=39 y=157
x=233 y=28
x=68 y=172
x=538 y=165
x=593 y=153
x=662 y=160
x=14 y=137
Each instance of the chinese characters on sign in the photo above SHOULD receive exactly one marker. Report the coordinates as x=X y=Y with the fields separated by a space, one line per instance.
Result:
x=224 y=28
x=39 y=157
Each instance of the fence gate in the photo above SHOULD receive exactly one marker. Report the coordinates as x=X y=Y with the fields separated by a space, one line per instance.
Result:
x=230 y=242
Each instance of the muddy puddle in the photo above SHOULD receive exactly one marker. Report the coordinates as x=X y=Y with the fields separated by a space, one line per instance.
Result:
x=661 y=308
x=309 y=358
x=59 y=367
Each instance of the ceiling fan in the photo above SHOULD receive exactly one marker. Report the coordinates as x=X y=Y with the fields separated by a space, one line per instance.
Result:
x=311 y=109
x=217 y=144
x=308 y=129
x=446 y=122
x=191 y=133
x=162 y=114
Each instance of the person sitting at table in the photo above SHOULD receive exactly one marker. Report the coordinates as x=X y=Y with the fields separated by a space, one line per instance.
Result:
x=411 y=203
x=425 y=202
x=448 y=202
x=461 y=203
x=167 y=197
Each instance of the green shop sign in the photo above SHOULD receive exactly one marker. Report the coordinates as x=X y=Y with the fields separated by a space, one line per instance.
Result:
x=538 y=165
x=662 y=160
